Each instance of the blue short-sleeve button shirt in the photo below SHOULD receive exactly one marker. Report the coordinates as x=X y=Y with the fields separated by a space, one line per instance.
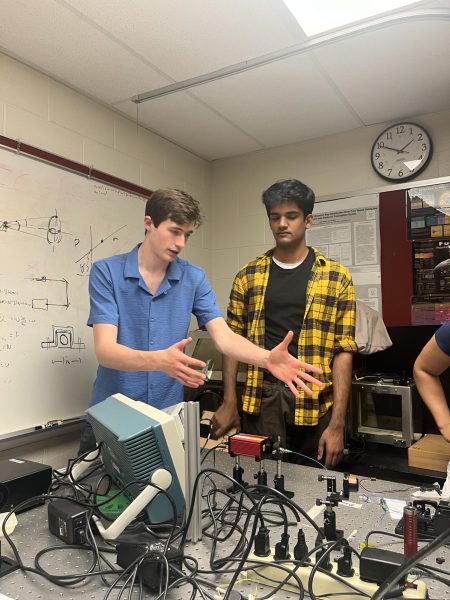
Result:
x=120 y=297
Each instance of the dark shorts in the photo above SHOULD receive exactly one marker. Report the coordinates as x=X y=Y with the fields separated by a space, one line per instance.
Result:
x=276 y=418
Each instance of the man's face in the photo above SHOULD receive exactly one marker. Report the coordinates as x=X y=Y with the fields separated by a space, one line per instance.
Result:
x=288 y=224
x=168 y=239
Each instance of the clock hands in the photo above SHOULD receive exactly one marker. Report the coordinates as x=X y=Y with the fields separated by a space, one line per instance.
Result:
x=407 y=152
x=402 y=150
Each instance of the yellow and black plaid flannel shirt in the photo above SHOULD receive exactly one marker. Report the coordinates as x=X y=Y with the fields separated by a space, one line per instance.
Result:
x=328 y=327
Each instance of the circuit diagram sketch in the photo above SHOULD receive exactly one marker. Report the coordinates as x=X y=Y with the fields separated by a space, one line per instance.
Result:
x=66 y=361
x=46 y=228
x=63 y=337
x=54 y=225
x=85 y=261
x=43 y=303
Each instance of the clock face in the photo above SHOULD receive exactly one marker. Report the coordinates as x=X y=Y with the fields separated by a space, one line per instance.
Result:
x=401 y=152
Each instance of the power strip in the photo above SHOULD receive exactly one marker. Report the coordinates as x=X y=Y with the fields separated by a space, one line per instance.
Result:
x=323 y=584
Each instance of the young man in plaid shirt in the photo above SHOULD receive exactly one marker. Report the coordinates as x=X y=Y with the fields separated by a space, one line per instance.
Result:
x=293 y=287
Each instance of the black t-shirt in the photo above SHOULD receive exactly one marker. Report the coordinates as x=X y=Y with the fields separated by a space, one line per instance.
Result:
x=285 y=302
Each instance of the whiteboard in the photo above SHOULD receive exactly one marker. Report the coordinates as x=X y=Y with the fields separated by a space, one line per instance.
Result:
x=53 y=225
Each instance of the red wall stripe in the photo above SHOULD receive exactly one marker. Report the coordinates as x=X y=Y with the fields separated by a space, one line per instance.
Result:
x=396 y=259
x=74 y=166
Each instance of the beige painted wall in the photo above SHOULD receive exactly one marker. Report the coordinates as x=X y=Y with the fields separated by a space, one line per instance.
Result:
x=44 y=113
x=332 y=165
x=47 y=114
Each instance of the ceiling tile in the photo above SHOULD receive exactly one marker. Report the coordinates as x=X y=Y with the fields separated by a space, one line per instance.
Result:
x=285 y=102
x=393 y=72
x=189 y=38
x=51 y=38
x=183 y=119
x=111 y=50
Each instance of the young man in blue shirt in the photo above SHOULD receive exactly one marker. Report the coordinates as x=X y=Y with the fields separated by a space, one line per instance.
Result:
x=141 y=307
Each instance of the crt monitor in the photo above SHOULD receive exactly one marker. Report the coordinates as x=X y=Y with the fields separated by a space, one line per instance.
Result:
x=136 y=439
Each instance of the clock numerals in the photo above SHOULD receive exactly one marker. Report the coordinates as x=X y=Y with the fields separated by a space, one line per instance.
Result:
x=401 y=152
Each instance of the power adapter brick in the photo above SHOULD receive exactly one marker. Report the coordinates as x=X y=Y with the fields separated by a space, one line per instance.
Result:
x=67 y=520
x=377 y=564
x=151 y=571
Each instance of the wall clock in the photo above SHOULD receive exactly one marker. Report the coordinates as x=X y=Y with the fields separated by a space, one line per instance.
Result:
x=401 y=152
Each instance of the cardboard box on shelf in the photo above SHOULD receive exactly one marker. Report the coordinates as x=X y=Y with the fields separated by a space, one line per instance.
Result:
x=430 y=452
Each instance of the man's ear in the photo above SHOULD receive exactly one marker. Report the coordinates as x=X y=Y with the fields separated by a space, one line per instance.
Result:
x=147 y=222
x=309 y=221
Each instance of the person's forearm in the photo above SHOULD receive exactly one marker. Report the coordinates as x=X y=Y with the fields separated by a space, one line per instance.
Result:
x=172 y=360
x=239 y=349
x=432 y=393
x=229 y=375
x=342 y=379
x=119 y=357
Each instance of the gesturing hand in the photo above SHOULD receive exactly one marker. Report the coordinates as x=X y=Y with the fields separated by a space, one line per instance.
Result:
x=174 y=362
x=331 y=444
x=290 y=370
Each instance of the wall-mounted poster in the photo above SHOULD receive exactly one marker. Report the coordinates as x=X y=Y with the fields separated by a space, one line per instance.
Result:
x=428 y=218
x=348 y=230
x=427 y=312
x=431 y=260
x=428 y=212
x=431 y=279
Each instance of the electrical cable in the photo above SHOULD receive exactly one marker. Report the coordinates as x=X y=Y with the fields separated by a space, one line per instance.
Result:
x=70 y=579
x=255 y=564
x=379 y=532
x=305 y=563
x=218 y=563
x=330 y=546
x=432 y=568
x=314 y=460
x=253 y=534
x=433 y=575
x=397 y=575
x=395 y=490
x=289 y=502
x=212 y=450
x=223 y=510
x=225 y=513
x=194 y=494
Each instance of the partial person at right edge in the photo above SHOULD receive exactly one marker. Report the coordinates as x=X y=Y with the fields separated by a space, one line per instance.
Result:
x=293 y=287
x=432 y=361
